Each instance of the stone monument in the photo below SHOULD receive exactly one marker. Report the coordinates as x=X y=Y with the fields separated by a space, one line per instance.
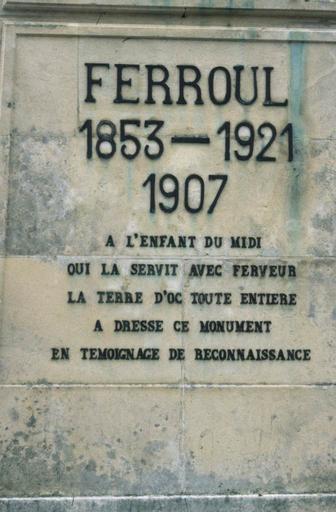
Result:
x=168 y=256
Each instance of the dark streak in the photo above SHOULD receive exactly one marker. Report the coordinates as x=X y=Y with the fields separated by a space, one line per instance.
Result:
x=190 y=139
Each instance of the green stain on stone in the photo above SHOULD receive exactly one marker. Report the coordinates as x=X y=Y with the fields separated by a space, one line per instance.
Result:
x=129 y=180
x=296 y=117
x=248 y=4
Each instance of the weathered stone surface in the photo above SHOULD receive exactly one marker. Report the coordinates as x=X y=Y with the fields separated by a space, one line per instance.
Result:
x=184 y=504
x=57 y=189
x=185 y=435
x=302 y=326
x=257 y=440
x=90 y=441
x=115 y=441
x=317 y=7
x=41 y=285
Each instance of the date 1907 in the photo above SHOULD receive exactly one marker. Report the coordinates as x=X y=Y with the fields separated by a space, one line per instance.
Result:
x=242 y=142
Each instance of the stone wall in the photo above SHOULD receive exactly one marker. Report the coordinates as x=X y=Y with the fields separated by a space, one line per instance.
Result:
x=235 y=416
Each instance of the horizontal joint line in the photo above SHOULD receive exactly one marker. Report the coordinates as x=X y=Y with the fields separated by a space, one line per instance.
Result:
x=174 y=497
x=169 y=386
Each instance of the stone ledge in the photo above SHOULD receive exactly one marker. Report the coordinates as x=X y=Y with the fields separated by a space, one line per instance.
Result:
x=269 y=503
x=314 y=8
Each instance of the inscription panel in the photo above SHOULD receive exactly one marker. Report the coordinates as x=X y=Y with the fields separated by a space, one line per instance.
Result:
x=170 y=208
x=167 y=267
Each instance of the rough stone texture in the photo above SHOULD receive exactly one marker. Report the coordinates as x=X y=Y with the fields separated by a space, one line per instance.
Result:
x=185 y=504
x=90 y=442
x=260 y=440
x=133 y=441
